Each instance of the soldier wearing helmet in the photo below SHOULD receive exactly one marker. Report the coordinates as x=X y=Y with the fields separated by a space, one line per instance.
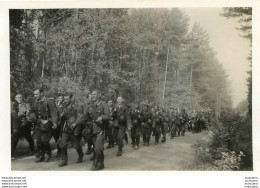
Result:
x=146 y=122
x=135 y=115
x=122 y=123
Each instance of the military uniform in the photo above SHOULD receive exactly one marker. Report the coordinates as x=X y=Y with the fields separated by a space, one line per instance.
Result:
x=165 y=126
x=178 y=122
x=14 y=131
x=57 y=132
x=24 y=126
x=121 y=121
x=96 y=129
x=157 y=124
x=147 y=123
x=135 y=115
x=198 y=121
x=69 y=134
x=46 y=115
x=193 y=122
x=184 y=121
x=173 y=124
x=203 y=121
x=110 y=128
x=84 y=130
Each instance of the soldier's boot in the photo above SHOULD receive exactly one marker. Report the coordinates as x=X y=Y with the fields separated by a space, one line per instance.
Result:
x=112 y=143
x=80 y=153
x=183 y=133
x=31 y=145
x=64 y=157
x=41 y=158
x=58 y=154
x=38 y=154
x=133 y=142
x=137 y=143
x=93 y=157
x=88 y=152
x=109 y=143
x=95 y=162
x=156 y=139
x=163 y=138
x=48 y=153
x=100 y=164
x=119 y=152
x=126 y=139
x=147 y=141
x=31 y=148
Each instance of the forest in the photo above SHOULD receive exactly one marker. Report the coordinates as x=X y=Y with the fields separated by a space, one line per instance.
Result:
x=146 y=55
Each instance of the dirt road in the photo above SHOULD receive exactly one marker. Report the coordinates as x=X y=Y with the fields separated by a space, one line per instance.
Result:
x=175 y=154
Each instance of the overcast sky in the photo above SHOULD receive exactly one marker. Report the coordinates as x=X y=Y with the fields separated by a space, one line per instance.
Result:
x=232 y=50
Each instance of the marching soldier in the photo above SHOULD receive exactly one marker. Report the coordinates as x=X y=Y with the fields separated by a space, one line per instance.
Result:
x=136 y=128
x=157 y=124
x=95 y=114
x=86 y=135
x=122 y=123
x=147 y=123
x=110 y=127
x=57 y=132
x=173 y=126
x=193 y=121
x=14 y=129
x=198 y=121
x=69 y=132
x=184 y=121
x=178 y=120
x=24 y=123
x=165 y=124
x=46 y=120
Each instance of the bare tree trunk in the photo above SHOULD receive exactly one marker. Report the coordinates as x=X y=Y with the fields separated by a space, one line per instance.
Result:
x=165 y=76
x=45 y=44
x=190 y=76
x=75 y=70
x=176 y=75
x=75 y=20
x=65 y=66
x=141 y=72
x=43 y=66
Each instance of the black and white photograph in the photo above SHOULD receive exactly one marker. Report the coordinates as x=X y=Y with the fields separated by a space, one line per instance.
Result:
x=131 y=89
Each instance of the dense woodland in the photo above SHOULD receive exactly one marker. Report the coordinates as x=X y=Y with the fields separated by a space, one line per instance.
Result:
x=119 y=51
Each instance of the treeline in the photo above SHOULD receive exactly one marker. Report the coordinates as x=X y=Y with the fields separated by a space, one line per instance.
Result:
x=119 y=51
x=228 y=145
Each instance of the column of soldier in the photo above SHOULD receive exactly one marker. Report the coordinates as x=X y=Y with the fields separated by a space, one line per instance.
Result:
x=96 y=122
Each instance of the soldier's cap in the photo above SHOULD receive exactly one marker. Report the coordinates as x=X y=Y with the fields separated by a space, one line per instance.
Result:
x=38 y=88
x=70 y=94
x=108 y=100
x=60 y=95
